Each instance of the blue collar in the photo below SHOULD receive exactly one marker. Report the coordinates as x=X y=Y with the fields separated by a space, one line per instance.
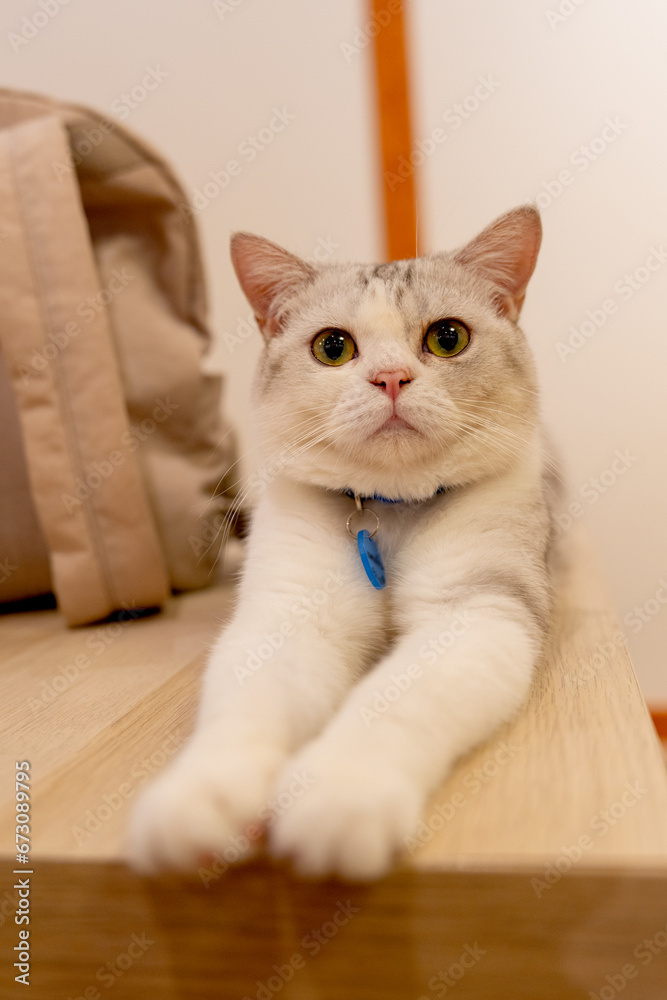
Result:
x=369 y=553
x=376 y=496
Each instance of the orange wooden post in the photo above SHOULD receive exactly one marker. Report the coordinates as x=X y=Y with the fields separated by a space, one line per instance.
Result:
x=394 y=129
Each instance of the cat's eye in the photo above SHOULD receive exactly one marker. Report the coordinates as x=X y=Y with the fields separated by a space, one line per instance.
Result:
x=446 y=338
x=334 y=347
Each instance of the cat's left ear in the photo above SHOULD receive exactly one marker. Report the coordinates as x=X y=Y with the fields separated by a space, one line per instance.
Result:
x=268 y=276
x=505 y=253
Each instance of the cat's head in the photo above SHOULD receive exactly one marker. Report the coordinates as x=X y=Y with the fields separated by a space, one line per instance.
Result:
x=397 y=378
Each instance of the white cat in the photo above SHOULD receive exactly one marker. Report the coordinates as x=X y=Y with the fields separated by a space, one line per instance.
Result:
x=331 y=708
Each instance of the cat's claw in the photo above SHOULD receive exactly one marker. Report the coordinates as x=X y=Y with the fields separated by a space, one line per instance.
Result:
x=199 y=807
x=351 y=822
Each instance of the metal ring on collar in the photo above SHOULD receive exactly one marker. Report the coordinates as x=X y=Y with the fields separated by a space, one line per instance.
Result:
x=362 y=511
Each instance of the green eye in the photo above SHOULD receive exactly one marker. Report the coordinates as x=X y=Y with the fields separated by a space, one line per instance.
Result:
x=334 y=347
x=446 y=338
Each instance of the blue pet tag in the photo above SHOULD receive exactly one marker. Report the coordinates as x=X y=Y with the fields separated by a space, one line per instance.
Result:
x=371 y=559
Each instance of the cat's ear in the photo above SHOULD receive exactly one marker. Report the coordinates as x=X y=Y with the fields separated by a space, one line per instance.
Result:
x=505 y=253
x=268 y=276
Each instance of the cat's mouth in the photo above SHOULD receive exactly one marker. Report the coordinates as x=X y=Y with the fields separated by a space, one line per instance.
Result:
x=395 y=424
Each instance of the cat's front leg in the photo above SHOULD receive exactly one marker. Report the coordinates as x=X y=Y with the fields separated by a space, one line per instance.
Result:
x=445 y=687
x=299 y=638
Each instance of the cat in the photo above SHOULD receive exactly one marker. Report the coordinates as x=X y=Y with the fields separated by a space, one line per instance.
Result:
x=398 y=407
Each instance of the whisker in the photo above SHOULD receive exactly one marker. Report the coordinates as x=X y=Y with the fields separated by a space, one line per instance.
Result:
x=295 y=446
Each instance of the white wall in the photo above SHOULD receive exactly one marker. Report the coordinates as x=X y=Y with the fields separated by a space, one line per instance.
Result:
x=553 y=89
x=228 y=67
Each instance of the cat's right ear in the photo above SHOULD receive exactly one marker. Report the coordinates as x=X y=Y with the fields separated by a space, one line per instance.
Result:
x=268 y=276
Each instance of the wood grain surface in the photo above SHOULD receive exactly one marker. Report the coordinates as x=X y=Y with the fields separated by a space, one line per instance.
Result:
x=546 y=847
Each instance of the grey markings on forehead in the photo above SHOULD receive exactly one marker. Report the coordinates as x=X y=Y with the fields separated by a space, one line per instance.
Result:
x=397 y=275
x=404 y=280
x=385 y=271
x=394 y=271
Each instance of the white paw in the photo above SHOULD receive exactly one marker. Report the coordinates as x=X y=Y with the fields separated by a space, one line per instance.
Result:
x=201 y=805
x=351 y=821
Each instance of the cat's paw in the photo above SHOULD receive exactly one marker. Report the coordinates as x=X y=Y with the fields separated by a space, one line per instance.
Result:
x=201 y=806
x=352 y=821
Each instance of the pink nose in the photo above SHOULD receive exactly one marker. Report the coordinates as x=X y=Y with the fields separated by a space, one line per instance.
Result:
x=391 y=382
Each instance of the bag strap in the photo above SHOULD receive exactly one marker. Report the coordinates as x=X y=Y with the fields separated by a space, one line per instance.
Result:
x=57 y=342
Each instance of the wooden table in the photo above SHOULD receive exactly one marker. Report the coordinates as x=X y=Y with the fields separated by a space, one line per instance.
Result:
x=541 y=870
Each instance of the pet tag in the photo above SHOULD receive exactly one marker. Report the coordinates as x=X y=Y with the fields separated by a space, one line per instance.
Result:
x=371 y=559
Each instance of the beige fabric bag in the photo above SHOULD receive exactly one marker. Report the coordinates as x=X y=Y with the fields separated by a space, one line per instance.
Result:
x=112 y=443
